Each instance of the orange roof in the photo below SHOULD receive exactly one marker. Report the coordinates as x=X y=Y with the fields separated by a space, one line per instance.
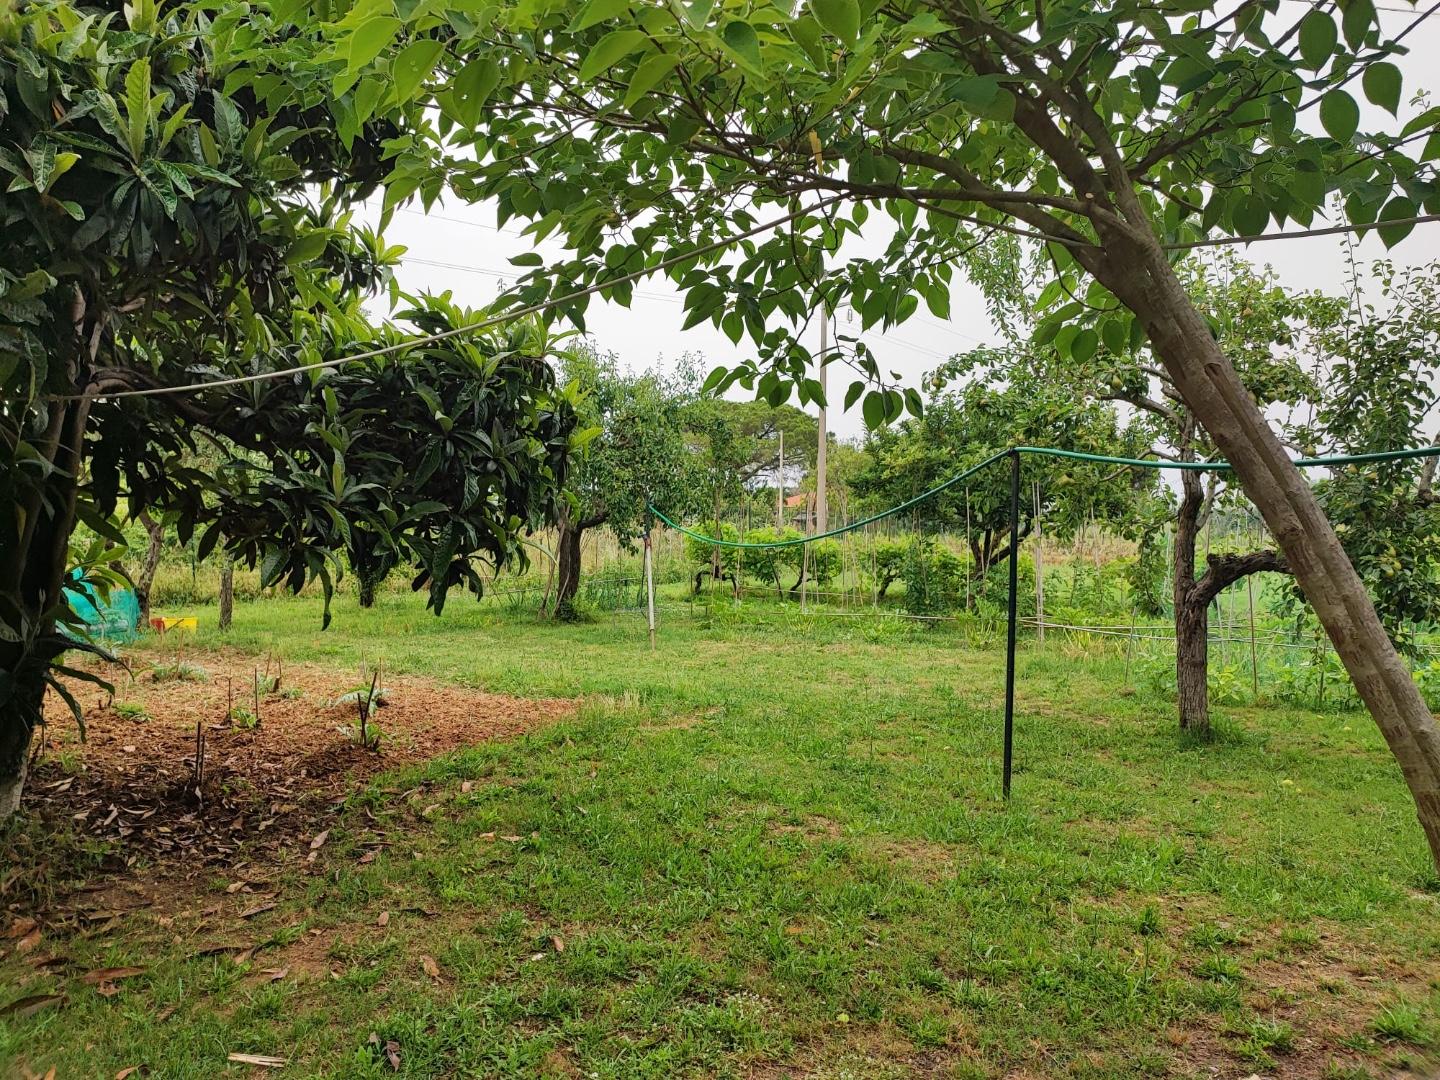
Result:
x=798 y=500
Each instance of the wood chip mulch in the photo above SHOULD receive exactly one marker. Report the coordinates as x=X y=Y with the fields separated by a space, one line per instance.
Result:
x=266 y=792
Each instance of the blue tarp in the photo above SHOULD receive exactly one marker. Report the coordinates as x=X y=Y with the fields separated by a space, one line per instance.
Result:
x=117 y=619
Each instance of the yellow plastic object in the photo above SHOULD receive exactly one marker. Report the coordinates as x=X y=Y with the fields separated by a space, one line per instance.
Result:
x=166 y=624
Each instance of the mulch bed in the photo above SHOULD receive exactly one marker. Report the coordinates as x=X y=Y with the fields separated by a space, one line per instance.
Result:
x=265 y=793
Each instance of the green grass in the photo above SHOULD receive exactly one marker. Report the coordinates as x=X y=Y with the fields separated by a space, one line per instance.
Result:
x=778 y=844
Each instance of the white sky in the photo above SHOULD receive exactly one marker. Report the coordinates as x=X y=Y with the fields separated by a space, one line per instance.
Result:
x=458 y=247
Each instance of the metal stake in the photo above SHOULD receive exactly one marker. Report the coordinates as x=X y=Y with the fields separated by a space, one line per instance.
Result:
x=1010 y=636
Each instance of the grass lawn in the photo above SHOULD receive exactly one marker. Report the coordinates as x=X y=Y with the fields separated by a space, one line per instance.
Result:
x=776 y=848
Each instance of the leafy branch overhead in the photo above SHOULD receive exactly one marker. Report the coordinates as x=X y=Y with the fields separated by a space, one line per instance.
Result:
x=639 y=131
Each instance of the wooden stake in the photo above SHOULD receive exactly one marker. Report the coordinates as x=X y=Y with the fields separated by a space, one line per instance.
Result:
x=650 y=588
x=1254 y=664
x=1039 y=576
x=1129 y=645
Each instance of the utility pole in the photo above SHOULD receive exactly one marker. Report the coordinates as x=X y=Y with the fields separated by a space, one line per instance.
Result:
x=780 y=486
x=822 y=511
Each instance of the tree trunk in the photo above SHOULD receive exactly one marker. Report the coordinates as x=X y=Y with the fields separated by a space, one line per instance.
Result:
x=227 y=593
x=15 y=733
x=367 y=590
x=156 y=533
x=1192 y=616
x=1140 y=274
x=568 y=585
x=1192 y=666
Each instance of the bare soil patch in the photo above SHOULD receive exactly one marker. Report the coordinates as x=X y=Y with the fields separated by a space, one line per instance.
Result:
x=264 y=793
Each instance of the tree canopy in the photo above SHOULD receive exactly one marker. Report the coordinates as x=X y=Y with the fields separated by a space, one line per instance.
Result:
x=168 y=222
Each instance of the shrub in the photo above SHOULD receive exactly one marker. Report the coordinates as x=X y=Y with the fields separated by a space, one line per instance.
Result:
x=889 y=563
x=766 y=564
x=934 y=578
x=704 y=557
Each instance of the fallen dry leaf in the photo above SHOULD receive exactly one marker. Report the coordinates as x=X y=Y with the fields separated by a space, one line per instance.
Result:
x=263 y=1060
x=105 y=975
x=276 y=974
x=30 y=1004
x=319 y=841
x=392 y=1054
x=19 y=928
x=431 y=967
x=512 y=839
x=558 y=942
x=467 y=786
x=28 y=942
x=250 y=913
x=384 y=919
x=123 y=1073
x=368 y=857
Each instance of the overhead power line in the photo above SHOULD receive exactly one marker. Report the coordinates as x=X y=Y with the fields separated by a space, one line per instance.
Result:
x=717 y=245
x=471 y=328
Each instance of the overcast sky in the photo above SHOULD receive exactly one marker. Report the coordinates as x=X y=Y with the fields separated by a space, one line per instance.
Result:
x=458 y=247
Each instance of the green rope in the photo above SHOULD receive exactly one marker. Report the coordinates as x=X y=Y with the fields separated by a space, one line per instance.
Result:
x=844 y=528
x=1043 y=451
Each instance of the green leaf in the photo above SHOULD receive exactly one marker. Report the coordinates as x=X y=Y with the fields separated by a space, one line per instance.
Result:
x=648 y=75
x=473 y=87
x=307 y=248
x=1112 y=333
x=1358 y=18
x=840 y=17
x=852 y=395
x=807 y=34
x=1250 y=215
x=740 y=39
x=1318 y=38
x=874 y=409
x=1339 y=115
x=1083 y=347
x=137 y=107
x=609 y=51
x=1382 y=84
x=369 y=40
x=597 y=11
x=414 y=65
x=697 y=12
x=1396 y=208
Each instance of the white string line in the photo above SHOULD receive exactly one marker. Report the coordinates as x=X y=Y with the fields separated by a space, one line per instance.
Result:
x=483 y=324
x=510 y=316
x=515 y=273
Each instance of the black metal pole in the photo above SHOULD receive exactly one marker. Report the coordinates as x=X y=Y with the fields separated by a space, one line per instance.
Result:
x=1010 y=633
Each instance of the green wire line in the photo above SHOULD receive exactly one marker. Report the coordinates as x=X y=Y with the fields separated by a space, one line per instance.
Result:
x=1041 y=451
x=844 y=528
x=1221 y=466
